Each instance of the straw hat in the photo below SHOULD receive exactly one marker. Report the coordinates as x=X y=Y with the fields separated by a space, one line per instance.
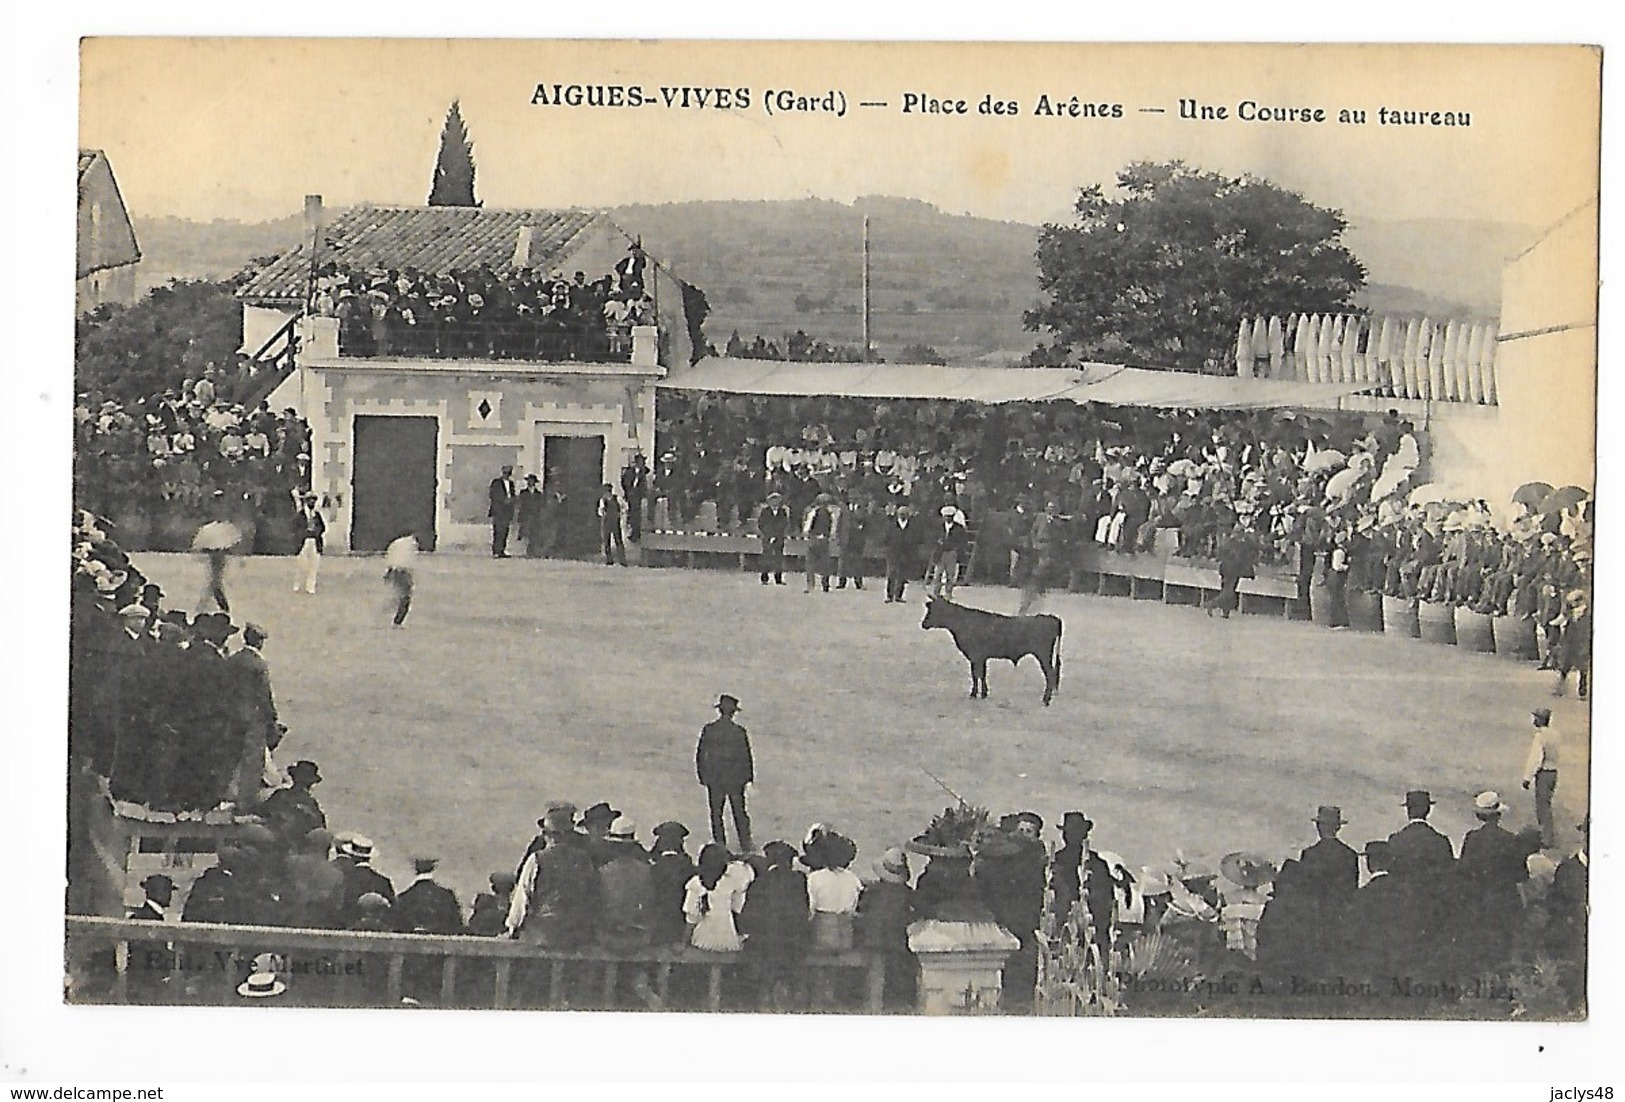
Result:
x=261 y=985
x=1246 y=870
x=892 y=866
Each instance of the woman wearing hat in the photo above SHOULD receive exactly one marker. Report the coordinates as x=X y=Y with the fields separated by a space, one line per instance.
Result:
x=714 y=896
x=1244 y=890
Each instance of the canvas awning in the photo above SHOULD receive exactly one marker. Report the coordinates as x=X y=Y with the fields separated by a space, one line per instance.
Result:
x=1109 y=384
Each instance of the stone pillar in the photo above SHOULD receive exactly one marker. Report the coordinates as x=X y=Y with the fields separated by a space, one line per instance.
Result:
x=645 y=346
x=319 y=337
x=961 y=965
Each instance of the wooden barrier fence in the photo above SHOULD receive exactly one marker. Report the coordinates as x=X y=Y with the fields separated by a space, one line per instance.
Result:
x=1150 y=576
x=508 y=974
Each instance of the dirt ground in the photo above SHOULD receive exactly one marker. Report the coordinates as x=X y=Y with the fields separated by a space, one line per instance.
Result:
x=517 y=682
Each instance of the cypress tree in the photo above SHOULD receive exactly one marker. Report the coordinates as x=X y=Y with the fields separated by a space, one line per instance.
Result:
x=453 y=184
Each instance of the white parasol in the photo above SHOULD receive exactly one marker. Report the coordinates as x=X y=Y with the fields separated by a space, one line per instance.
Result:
x=217 y=535
x=402 y=554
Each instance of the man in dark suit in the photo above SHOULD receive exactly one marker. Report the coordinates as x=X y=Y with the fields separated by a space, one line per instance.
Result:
x=1330 y=865
x=723 y=763
x=256 y=714
x=425 y=907
x=530 y=516
x=1078 y=873
x=1374 y=939
x=1416 y=848
x=360 y=878
x=634 y=488
x=293 y=811
x=152 y=963
x=772 y=525
x=1494 y=861
x=504 y=500
x=900 y=540
x=160 y=890
x=1422 y=862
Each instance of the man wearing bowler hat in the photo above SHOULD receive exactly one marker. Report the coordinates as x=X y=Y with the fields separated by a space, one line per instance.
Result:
x=1417 y=847
x=1540 y=771
x=1330 y=865
x=723 y=763
x=293 y=811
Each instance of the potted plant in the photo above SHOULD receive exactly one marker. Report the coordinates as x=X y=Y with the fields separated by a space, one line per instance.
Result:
x=1399 y=601
x=1435 y=613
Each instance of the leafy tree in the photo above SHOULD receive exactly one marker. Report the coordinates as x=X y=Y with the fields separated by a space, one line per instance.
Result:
x=130 y=352
x=453 y=184
x=1162 y=275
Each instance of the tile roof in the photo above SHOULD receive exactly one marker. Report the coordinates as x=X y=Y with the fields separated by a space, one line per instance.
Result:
x=432 y=239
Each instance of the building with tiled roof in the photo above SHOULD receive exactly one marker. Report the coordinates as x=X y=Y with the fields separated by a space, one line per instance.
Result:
x=416 y=400
x=107 y=249
x=438 y=240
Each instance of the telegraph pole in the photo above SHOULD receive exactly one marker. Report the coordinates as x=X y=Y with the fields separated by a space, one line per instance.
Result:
x=866 y=344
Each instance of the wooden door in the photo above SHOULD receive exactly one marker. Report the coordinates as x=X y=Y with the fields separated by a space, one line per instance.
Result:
x=392 y=491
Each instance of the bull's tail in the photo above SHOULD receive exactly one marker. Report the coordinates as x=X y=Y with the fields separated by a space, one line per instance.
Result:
x=1055 y=654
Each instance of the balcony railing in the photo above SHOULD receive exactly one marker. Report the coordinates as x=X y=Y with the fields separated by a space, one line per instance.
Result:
x=435 y=339
x=127 y=961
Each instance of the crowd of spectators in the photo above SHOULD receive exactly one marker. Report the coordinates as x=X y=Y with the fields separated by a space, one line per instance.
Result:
x=185 y=449
x=177 y=720
x=482 y=312
x=1330 y=500
x=796 y=347
x=1198 y=471
x=161 y=705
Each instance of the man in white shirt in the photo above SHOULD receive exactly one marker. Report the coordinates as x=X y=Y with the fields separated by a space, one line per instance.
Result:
x=1540 y=771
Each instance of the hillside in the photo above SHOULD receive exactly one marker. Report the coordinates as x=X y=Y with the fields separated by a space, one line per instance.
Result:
x=1447 y=264
x=955 y=282
x=174 y=248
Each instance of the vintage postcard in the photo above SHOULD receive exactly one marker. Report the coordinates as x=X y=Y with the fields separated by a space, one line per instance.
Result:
x=518 y=485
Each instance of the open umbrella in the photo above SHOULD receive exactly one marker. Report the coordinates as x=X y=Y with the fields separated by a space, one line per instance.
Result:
x=1531 y=494
x=217 y=535
x=401 y=553
x=1341 y=484
x=1431 y=492
x=1558 y=500
x=1329 y=459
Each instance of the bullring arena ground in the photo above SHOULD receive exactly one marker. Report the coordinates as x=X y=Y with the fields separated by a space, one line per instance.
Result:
x=522 y=681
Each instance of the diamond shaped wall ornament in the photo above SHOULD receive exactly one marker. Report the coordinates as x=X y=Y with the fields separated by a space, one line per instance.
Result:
x=484 y=409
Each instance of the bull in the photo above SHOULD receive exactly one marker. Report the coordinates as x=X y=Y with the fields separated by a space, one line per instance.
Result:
x=981 y=635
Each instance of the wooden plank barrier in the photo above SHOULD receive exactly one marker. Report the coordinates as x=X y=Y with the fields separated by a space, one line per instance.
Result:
x=105 y=965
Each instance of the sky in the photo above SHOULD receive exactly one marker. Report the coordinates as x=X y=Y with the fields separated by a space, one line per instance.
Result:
x=244 y=128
